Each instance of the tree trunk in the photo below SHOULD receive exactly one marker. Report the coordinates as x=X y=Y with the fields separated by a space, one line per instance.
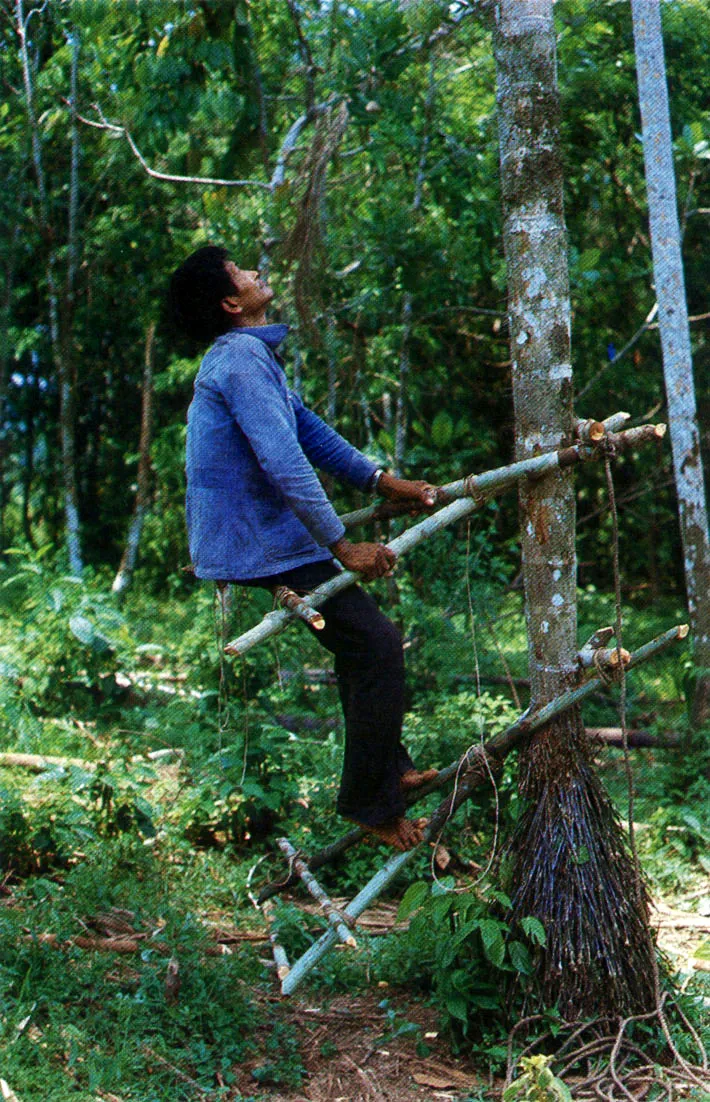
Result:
x=567 y=859
x=675 y=336
x=28 y=472
x=128 y=561
x=331 y=348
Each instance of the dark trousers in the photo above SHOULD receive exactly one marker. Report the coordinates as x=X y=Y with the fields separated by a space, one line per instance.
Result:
x=369 y=666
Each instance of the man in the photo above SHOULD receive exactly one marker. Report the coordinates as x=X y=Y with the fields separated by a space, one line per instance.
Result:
x=258 y=515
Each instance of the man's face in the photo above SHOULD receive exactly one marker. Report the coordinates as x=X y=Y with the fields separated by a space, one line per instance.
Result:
x=252 y=293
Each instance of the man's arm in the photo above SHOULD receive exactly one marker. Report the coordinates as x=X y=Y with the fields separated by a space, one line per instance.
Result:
x=328 y=450
x=258 y=401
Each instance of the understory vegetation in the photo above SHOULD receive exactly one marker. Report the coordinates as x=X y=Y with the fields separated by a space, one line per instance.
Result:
x=168 y=776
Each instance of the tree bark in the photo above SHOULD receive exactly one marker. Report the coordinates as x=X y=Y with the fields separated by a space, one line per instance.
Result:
x=567 y=859
x=28 y=473
x=675 y=336
x=128 y=561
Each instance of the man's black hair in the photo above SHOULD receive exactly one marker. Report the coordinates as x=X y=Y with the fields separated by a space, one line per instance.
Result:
x=196 y=292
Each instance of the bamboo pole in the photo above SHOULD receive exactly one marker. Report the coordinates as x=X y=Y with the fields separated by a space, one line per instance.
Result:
x=603 y=657
x=280 y=959
x=598 y=638
x=468 y=495
x=472 y=770
x=310 y=882
x=590 y=432
x=616 y=422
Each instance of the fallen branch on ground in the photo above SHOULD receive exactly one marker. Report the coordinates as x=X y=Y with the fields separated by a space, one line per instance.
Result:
x=38 y=763
x=613 y=736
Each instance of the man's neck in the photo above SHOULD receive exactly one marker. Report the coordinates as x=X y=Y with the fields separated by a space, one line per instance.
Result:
x=251 y=321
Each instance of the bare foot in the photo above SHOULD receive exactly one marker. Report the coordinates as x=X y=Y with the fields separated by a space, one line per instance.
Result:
x=414 y=779
x=402 y=834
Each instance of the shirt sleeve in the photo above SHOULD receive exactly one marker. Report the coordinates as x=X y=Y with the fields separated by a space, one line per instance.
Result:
x=257 y=397
x=328 y=450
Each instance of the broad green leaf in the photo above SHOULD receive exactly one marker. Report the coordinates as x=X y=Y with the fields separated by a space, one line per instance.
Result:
x=493 y=944
x=457 y=1007
x=520 y=957
x=82 y=629
x=412 y=899
x=534 y=929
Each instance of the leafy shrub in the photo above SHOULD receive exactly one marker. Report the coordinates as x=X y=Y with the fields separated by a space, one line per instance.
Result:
x=64 y=638
x=469 y=948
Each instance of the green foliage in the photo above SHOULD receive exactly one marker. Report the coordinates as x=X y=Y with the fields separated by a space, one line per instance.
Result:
x=66 y=637
x=212 y=89
x=537 y=1083
x=469 y=946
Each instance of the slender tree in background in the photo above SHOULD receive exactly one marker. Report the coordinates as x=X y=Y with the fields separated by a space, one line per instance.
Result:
x=568 y=860
x=675 y=335
x=128 y=561
x=59 y=325
x=10 y=260
x=407 y=321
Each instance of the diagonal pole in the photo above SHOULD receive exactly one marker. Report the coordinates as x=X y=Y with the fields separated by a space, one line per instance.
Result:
x=473 y=770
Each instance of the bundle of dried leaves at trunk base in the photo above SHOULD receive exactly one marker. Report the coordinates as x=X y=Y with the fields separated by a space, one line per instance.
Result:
x=569 y=865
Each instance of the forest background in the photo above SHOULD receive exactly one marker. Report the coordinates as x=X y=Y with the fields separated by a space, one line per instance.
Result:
x=351 y=151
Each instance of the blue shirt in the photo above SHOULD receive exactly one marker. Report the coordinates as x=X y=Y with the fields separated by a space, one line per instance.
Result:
x=254 y=504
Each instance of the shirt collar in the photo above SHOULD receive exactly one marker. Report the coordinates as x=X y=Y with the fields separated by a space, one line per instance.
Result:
x=272 y=335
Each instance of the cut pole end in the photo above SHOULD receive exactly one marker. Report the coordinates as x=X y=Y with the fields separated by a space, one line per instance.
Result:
x=683 y=630
x=282 y=971
x=660 y=430
x=232 y=650
x=318 y=623
x=597 y=431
